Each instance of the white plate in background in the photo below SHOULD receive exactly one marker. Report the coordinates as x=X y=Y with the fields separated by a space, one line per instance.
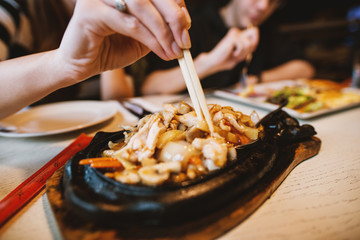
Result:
x=260 y=101
x=55 y=118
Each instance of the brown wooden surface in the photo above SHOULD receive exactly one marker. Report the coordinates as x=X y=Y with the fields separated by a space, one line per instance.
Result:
x=209 y=227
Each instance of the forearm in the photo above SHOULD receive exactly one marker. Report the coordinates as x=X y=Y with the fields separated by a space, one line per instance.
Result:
x=163 y=81
x=172 y=81
x=291 y=70
x=116 y=84
x=27 y=79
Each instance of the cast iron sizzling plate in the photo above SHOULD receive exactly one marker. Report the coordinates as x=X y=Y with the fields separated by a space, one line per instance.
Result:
x=106 y=202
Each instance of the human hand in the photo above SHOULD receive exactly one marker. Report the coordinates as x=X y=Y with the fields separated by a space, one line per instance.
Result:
x=232 y=49
x=99 y=37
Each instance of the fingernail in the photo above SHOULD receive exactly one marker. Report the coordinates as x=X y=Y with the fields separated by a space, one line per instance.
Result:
x=176 y=49
x=186 y=39
x=188 y=18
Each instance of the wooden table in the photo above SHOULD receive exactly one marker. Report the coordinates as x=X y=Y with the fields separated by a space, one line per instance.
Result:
x=320 y=199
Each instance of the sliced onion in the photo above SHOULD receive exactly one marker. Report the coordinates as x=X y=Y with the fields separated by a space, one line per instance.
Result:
x=180 y=151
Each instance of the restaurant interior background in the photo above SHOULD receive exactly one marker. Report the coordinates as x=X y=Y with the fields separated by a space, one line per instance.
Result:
x=323 y=29
x=326 y=32
x=320 y=27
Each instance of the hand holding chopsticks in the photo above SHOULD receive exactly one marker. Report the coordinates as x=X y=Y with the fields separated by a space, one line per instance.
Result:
x=196 y=92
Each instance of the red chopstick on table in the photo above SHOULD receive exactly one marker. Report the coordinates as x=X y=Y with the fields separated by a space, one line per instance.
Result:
x=21 y=195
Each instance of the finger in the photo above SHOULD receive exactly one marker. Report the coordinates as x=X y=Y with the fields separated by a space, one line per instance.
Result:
x=182 y=5
x=178 y=19
x=150 y=16
x=130 y=26
x=242 y=47
x=112 y=3
x=135 y=23
x=252 y=35
x=239 y=42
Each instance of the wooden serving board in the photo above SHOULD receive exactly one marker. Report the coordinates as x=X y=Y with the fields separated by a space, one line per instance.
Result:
x=210 y=226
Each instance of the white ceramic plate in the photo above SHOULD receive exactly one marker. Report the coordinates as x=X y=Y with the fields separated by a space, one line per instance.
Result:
x=55 y=118
x=260 y=101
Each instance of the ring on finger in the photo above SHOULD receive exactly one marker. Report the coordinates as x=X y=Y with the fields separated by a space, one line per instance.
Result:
x=121 y=5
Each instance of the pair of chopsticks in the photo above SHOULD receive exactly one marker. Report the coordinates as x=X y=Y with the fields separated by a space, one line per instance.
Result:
x=21 y=195
x=195 y=90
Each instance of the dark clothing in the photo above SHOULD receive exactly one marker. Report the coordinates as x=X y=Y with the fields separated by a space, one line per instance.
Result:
x=15 y=37
x=208 y=29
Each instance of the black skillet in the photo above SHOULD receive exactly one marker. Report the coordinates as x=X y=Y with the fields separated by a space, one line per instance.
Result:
x=106 y=202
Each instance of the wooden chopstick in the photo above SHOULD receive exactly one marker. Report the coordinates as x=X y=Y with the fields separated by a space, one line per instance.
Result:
x=194 y=87
x=21 y=195
x=190 y=88
x=198 y=89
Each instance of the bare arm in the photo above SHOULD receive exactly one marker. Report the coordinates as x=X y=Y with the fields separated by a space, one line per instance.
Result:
x=293 y=69
x=116 y=84
x=28 y=79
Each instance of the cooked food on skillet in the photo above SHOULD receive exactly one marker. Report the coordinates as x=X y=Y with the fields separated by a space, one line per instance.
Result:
x=243 y=158
x=174 y=146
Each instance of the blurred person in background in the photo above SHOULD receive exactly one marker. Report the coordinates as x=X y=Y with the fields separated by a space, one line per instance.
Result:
x=223 y=34
x=66 y=42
